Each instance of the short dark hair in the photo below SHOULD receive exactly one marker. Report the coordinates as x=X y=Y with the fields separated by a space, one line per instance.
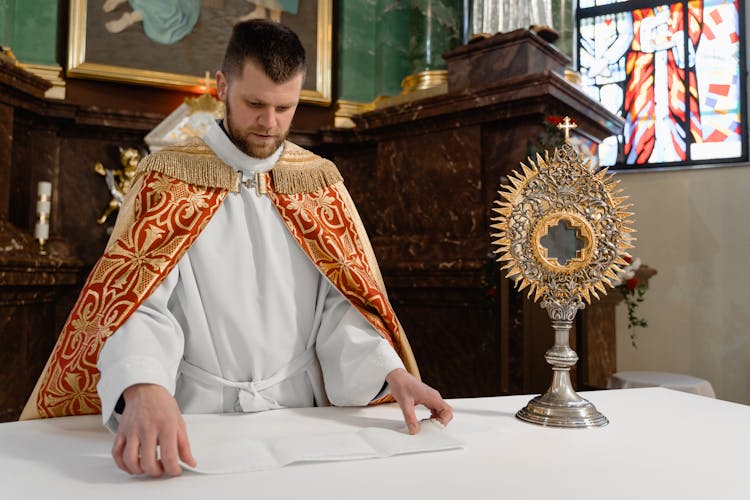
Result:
x=273 y=46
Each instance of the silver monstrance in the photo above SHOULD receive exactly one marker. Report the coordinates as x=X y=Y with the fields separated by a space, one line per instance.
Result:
x=562 y=232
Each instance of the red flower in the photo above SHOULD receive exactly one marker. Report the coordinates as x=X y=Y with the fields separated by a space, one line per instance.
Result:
x=491 y=292
x=627 y=258
x=554 y=119
x=631 y=284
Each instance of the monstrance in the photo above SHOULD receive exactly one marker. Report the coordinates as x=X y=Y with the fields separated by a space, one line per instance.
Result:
x=562 y=232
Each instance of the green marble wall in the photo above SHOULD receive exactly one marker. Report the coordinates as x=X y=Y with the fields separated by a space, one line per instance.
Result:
x=29 y=28
x=356 y=50
x=392 y=46
x=7 y=7
x=373 y=48
x=562 y=17
x=435 y=27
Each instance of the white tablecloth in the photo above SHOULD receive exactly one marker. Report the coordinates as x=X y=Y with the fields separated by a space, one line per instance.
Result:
x=675 y=381
x=660 y=444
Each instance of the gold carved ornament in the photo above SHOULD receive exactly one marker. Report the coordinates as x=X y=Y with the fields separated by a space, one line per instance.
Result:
x=562 y=230
x=119 y=181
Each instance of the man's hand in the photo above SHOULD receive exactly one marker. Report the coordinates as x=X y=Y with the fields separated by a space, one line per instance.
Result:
x=151 y=418
x=410 y=392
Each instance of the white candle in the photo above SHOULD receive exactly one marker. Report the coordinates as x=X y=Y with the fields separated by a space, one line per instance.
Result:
x=43 y=207
x=41 y=231
x=43 y=188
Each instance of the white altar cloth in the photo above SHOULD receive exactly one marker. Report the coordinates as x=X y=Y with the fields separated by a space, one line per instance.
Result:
x=674 y=381
x=660 y=444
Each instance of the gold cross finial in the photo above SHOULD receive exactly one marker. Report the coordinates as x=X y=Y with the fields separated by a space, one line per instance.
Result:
x=567 y=125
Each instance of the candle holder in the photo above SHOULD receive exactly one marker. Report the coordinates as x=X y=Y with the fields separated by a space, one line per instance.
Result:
x=43 y=209
x=562 y=232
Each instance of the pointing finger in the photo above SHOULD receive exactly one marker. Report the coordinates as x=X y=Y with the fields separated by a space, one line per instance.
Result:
x=118 y=448
x=410 y=417
x=130 y=456
x=183 y=448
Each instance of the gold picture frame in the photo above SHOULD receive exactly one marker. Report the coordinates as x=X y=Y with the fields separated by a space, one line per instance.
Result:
x=130 y=56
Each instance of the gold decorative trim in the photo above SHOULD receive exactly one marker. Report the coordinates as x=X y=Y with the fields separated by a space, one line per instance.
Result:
x=573 y=221
x=193 y=162
x=424 y=80
x=8 y=55
x=345 y=110
x=298 y=171
x=322 y=93
x=205 y=103
x=573 y=76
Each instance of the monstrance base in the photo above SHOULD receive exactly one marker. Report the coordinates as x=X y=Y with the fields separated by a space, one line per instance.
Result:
x=543 y=410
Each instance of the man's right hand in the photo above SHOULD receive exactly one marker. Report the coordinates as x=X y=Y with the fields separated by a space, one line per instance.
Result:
x=151 y=417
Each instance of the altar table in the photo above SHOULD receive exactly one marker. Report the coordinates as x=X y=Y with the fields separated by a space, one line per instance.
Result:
x=660 y=444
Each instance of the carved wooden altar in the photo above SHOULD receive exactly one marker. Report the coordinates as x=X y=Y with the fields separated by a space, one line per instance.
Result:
x=58 y=142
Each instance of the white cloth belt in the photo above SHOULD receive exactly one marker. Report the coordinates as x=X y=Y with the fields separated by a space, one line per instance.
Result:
x=250 y=395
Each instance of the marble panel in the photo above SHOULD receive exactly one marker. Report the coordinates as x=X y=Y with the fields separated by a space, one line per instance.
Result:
x=358 y=167
x=392 y=46
x=6 y=158
x=356 y=50
x=435 y=28
x=448 y=176
x=7 y=10
x=20 y=210
x=24 y=313
x=13 y=373
x=454 y=337
x=430 y=212
x=482 y=63
x=83 y=194
x=35 y=31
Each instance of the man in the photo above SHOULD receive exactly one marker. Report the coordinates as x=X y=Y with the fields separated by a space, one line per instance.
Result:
x=238 y=278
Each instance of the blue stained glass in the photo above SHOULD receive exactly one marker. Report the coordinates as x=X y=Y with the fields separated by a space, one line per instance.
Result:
x=718 y=83
x=680 y=106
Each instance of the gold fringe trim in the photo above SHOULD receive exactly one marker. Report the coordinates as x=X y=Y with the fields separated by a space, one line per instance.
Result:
x=193 y=162
x=298 y=171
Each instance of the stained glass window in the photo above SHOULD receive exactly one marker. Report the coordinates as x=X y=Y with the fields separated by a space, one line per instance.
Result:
x=673 y=71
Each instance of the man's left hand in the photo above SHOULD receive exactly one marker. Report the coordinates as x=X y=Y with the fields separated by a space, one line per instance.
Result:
x=409 y=392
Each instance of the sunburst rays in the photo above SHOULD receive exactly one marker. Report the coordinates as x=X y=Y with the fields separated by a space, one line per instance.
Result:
x=542 y=187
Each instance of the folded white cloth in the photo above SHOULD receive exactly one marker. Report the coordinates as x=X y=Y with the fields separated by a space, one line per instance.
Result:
x=226 y=454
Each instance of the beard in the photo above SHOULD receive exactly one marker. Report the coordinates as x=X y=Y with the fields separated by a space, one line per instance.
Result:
x=245 y=141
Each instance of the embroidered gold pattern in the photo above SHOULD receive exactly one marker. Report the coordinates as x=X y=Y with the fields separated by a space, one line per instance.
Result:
x=169 y=215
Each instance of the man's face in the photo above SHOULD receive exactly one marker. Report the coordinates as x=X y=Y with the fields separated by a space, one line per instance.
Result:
x=259 y=111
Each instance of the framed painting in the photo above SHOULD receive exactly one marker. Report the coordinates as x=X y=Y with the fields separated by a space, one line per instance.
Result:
x=180 y=44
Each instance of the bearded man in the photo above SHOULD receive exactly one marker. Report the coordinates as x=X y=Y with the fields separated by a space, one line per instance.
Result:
x=238 y=278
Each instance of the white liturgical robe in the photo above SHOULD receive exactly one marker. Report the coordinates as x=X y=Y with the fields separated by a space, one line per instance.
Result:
x=245 y=321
